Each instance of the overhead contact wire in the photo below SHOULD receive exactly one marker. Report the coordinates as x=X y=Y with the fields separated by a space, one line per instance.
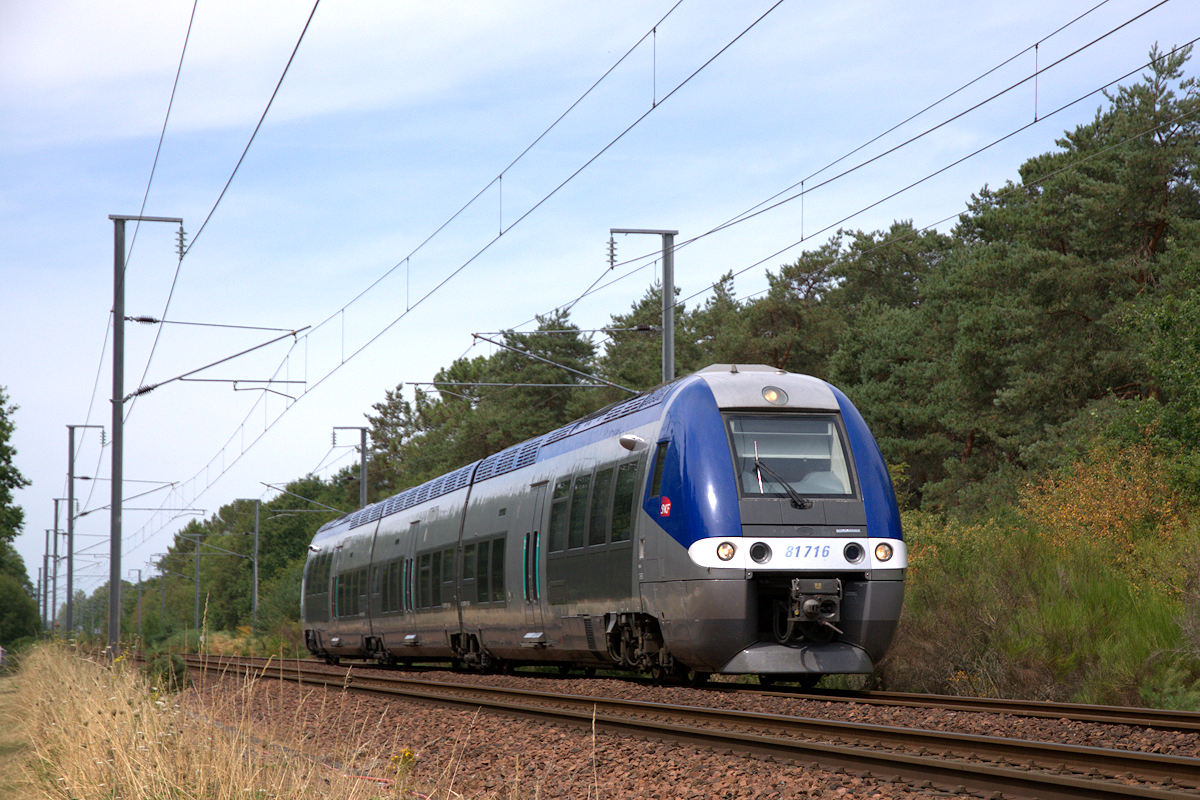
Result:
x=571 y=304
x=257 y=127
x=497 y=179
x=472 y=259
x=758 y=209
x=970 y=155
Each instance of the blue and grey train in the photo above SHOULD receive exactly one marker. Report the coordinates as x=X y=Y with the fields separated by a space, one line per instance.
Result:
x=736 y=520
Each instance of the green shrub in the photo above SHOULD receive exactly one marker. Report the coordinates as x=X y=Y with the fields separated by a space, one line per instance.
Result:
x=1006 y=607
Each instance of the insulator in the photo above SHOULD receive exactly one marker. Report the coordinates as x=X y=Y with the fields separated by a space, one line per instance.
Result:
x=612 y=252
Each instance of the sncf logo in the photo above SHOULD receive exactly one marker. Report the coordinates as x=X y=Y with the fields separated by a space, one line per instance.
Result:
x=664 y=510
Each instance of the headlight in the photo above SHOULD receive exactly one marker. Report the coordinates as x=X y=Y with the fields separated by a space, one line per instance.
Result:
x=774 y=395
x=853 y=552
x=760 y=552
x=883 y=551
x=725 y=551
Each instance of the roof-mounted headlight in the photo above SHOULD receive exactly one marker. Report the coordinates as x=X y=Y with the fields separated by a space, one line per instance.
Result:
x=774 y=395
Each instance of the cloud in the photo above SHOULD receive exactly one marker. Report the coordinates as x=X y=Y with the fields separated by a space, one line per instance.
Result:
x=73 y=72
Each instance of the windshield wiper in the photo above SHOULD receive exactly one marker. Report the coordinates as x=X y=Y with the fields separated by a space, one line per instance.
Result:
x=797 y=500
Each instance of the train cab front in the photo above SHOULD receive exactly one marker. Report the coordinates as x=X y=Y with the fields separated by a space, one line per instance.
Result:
x=815 y=536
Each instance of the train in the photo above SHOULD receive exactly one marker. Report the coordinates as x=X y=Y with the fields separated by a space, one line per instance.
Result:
x=738 y=520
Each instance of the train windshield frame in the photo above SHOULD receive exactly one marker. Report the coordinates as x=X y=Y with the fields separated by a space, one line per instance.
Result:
x=807 y=450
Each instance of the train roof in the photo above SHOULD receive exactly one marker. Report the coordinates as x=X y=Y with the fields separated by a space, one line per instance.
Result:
x=733 y=391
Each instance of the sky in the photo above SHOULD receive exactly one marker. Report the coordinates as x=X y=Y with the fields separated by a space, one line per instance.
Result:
x=399 y=195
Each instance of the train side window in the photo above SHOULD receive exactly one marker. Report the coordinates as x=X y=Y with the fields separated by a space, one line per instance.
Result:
x=622 y=513
x=481 y=585
x=381 y=585
x=660 y=460
x=468 y=568
x=395 y=570
x=424 y=574
x=312 y=585
x=435 y=598
x=344 y=591
x=379 y=589
x=448 y=573
x=601 y=511
x=316 y=588
x=363 y=586
x=349 y=586
x=579 y=511
x=498 y=570
x=560 y=508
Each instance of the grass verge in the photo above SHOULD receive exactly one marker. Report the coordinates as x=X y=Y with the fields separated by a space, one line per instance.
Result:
x=14 y=748
x=88 y=731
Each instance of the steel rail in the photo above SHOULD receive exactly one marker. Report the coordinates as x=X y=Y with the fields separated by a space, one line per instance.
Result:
x=1157 y=718
x=846 y=745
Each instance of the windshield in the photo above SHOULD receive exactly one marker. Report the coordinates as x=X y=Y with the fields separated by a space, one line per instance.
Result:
x=805 y=450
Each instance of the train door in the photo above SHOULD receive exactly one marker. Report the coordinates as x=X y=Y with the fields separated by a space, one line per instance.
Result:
x=402 y=636
x=533 y=559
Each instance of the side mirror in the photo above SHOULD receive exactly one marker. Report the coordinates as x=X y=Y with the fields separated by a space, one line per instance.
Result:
x=632 y=442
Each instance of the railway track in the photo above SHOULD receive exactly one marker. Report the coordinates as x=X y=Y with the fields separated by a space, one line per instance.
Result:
x=1156 y=718
x=986 y=766
x=1153 y=718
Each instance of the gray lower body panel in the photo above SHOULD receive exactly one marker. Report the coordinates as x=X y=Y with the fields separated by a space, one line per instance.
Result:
x=782 y=659
x=722 y=625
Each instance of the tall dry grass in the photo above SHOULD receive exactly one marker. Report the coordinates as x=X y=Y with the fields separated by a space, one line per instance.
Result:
x=98 y=732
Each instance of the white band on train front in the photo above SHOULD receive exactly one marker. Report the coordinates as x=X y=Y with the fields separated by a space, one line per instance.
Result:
x=800 y=554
